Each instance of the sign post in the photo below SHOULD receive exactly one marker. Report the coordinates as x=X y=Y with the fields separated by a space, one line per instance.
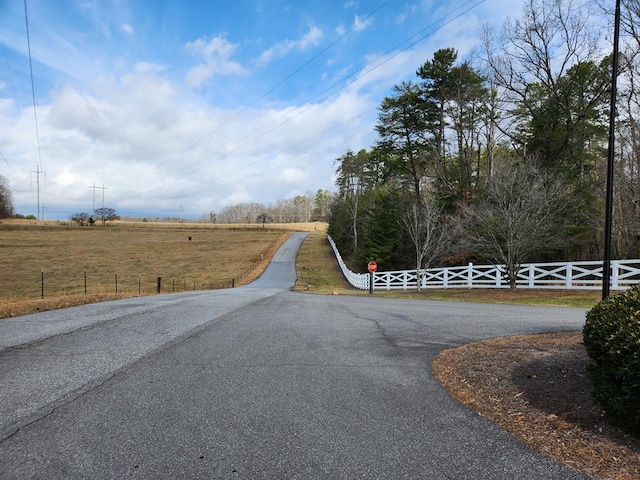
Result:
x=372 y=267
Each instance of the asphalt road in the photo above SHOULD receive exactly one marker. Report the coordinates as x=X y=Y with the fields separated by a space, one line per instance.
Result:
x=255 y=382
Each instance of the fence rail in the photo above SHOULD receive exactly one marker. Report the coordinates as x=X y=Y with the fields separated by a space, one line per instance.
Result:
x=567 y=275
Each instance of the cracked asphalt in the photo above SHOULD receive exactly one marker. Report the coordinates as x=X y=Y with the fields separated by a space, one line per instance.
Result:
x=255 y=382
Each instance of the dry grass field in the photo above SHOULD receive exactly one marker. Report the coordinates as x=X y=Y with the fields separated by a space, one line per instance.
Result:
x=131 y=257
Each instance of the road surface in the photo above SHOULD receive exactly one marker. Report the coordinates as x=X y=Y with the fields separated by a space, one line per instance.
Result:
x=255 y=383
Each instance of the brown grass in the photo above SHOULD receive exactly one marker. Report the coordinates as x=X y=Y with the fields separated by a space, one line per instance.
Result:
x=213 y=258
x=317 y=268
x=292 y=227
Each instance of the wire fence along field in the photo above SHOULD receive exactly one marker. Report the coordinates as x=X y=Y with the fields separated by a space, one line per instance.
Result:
x=45 y=284
x=46 y=262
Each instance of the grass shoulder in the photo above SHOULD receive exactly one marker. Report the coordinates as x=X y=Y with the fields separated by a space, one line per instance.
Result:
x=318 y=272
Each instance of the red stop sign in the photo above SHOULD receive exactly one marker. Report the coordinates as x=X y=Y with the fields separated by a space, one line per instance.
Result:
x=372 y=267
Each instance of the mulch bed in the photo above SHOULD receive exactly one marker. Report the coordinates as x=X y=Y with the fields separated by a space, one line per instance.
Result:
x=536 y=388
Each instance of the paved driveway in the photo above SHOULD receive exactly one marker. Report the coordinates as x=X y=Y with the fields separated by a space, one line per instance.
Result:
x=255 y=382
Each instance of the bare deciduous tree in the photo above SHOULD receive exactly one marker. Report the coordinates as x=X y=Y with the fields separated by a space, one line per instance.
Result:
x=520 y=214
x=81 y=218
x=538 y=48
x=429 y=233
x=105 y=215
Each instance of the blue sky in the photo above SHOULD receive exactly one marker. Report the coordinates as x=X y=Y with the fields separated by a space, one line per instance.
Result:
x=180 y=108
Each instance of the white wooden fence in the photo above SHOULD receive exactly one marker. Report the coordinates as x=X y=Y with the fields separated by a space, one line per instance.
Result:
x=568 y=275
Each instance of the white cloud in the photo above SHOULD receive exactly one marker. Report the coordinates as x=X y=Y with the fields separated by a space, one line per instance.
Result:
x=127 y=28
x=361 y=25
x=216 y=54
x=279 y=50
x=156 y=144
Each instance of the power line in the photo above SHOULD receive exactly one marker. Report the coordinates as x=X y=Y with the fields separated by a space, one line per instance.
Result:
x=19 y=108
x=35 y=114
x=281 y=82
x=349 y=78
x=9 y=165
x=174 y=195
x=323 y=95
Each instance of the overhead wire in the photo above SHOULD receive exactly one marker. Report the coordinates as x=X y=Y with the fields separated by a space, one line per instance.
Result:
x=9 y=165
x=333 y=89
x=33 y=88
x=35 y=113
x=274 y=154
x=15 y=95
x=276 y=86
x=349 y=78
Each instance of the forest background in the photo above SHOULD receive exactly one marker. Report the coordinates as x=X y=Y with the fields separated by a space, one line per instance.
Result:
x=501 y=157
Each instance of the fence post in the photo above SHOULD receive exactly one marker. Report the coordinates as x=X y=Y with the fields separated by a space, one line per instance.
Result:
x=42 y=283
x=615 y=270
x=159 y=286
x=498 y=277
x=532 y=276
x=116 y=283
x=174 y=285
x=139 y=285
x=85 y=281
x=470 y=276
x=568 y=280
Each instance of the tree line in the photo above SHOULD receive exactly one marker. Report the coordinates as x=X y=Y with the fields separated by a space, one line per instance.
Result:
x=310 y=207
x=501 y=157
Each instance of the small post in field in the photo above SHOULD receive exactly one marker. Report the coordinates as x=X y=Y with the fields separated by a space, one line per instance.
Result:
x=159 y=284
x=138 y=285
x=42 y=283
x=85 y=281
x=116 y=283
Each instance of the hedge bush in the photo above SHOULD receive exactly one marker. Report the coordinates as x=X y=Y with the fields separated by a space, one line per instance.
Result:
x=612 y=340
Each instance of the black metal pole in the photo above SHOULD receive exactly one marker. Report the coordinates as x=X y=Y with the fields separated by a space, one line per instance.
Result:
x=606 y=267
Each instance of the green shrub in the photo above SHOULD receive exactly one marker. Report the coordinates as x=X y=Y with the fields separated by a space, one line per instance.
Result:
x=612 y=339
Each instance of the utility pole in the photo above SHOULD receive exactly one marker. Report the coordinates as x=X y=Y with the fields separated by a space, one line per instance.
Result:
x=37 y=182
x=103 y=188
x=606 y=267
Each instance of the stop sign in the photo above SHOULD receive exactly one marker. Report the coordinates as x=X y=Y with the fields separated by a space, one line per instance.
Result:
x=372 y=266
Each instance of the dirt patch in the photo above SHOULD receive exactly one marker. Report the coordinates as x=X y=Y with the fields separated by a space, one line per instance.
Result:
x=536 y=388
